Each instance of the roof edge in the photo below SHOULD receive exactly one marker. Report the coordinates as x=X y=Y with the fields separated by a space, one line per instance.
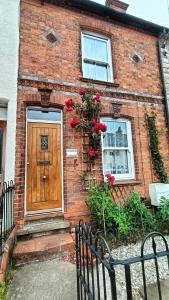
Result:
x=111 y=14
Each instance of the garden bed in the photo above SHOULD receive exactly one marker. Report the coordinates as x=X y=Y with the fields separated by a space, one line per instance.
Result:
x=134 y=250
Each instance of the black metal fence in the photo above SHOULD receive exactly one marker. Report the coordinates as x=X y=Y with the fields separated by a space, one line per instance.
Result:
x=100 y=276
x=6 y=212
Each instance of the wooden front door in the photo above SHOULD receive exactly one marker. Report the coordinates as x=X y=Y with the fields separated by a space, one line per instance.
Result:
x=44 y=184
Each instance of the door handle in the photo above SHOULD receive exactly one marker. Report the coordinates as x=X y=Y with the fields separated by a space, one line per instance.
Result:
x=44 y=177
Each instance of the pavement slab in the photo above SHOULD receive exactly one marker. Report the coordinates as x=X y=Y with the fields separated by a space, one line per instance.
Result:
x=48 y=280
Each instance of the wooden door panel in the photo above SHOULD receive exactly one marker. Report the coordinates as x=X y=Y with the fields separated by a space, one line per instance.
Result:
x=44 y=185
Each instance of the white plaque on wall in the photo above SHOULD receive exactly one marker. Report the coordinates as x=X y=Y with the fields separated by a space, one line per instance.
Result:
x=71 y=153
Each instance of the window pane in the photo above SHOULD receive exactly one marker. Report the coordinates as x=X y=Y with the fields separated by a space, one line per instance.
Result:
x=116 y=134
x=109 y=136
x=89 y=48
x=95 y=49
x=89 y=71
x=101 y=73
x=121 y=134
x=44 y=142
x=44 y=115
x=95 y=72
x=116 y=162
x=101 y=50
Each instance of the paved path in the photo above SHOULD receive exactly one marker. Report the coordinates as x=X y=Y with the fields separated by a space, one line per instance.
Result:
x=47 y=280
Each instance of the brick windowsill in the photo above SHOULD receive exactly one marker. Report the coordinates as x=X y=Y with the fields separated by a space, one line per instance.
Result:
x=127 y=182
x=113 y=84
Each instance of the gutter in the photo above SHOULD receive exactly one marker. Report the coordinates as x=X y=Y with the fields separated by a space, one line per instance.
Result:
x=107 y=13
x=163 y=33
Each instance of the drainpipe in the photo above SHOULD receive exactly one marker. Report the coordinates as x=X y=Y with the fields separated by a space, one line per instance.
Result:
x=162 y=34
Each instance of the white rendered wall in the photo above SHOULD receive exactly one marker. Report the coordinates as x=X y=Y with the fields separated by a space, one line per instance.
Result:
x=9 y=55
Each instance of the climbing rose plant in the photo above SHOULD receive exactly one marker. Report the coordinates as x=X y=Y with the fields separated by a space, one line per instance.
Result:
x=110 y=179
x=85 y=119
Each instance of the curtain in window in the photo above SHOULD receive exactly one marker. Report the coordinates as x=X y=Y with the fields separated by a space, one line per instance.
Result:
x=116 y=161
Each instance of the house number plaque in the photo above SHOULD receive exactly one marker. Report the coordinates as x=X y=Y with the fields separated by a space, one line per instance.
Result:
x=71 y=153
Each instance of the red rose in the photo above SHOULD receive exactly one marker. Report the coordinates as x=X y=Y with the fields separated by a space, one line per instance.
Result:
x=100 y=127
x=96 y=153
x=96 y=98
x=75 y=122
x=69 y=102
x=111 y=179
x=97 y=128
x=94 y=122
x=104 y=128
x=108 y=175
x=93 y=153
x=68 y=108
x=82 y=92
x=85 y=114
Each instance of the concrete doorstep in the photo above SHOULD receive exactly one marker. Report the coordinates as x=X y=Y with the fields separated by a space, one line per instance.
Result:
x=43 y=247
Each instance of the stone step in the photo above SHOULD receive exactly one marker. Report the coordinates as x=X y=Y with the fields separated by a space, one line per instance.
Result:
x=43 y=247
x=43 y=227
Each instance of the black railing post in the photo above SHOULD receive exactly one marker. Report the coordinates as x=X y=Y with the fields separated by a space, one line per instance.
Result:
x=6 y=212
x=128 y=282
x=157 y=269
x=77 y=262
x=112 y=276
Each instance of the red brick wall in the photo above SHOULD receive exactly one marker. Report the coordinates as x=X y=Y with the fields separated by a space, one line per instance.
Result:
x=63 y=63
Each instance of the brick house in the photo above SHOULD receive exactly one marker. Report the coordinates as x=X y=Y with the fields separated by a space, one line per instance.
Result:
x=64 y=45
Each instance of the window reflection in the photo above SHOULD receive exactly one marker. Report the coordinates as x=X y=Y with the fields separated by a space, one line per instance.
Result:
x=52 y=116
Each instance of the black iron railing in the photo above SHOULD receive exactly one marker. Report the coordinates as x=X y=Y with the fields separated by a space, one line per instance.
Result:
x=6 y=212
x=98 y=273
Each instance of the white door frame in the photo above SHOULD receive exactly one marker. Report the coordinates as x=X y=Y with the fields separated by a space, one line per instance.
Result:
x=59 y=210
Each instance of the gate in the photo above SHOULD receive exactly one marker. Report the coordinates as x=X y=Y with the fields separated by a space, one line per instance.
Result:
x=98 y=272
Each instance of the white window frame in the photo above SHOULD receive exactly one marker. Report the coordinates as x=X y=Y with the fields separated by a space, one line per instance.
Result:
x=109 y=54
x=131 y=174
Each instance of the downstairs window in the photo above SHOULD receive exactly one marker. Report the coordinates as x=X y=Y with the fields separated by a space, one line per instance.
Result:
x=117 y=149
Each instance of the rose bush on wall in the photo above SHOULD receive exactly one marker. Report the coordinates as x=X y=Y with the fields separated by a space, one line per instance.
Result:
x=86 y=119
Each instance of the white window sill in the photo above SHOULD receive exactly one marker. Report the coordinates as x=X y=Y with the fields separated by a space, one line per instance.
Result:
x=127 y=182
x=96 y=81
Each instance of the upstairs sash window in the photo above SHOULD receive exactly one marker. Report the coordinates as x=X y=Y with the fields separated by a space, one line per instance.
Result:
x=96 y=57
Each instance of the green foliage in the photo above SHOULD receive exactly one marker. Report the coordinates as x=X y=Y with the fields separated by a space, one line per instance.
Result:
x=122 y=221
x=162 y=215
x=100 y=202
x=3 y=291
x=154 y=148
x=4 y=286
x=141 y=217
